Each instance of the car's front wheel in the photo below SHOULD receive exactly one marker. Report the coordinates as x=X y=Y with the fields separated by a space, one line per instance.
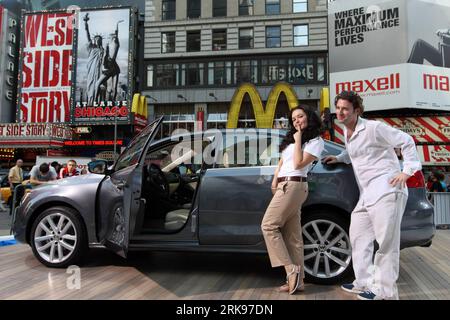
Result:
x=58 y=238
x=327 y=249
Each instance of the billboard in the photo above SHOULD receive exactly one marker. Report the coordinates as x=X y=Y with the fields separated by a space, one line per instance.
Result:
x=103 y=66
x=46 y=67
x=77 y=66
x=384 y=51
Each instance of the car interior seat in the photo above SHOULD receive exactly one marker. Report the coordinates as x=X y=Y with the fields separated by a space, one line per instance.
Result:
x=176 y=219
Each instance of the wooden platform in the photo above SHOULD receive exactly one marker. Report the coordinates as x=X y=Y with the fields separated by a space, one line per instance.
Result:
x=424 y=274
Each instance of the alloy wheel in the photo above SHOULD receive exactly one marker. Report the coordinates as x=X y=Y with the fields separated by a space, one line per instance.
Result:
x=327 y=249
x=55 y=238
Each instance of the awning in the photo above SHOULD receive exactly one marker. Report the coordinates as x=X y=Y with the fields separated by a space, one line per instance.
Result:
x=422 y=129
x=34 y=135
x=434 y=155
x=430 y=154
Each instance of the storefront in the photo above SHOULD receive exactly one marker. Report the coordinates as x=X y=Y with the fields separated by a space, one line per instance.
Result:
x=28 y=140
x=430 y=133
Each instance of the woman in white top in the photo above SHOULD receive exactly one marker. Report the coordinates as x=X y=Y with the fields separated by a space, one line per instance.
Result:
x=281 y=223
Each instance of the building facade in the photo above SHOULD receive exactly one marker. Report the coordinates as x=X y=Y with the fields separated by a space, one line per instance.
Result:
x=198 y=53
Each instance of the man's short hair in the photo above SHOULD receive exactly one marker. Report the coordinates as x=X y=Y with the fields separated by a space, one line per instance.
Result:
x=44 y=168
x=353 y=98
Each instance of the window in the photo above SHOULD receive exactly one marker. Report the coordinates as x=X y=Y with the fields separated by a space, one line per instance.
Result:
x=194 y=8
x=300 y=35
x=240 y=150
x=219 y=72
x=246 y=7
x=219 y=8
x=272 y=7
x=132 y=153
x=320 y=69
x=192 y=74
x=246 y=38
x=166 y=75
x=167 y=42
x=246 y=71
x=150 y=75
x=219 y=39
x=168 y=9
x=193 y=41
x=273 y=70
x=293 y=68
x=273 y=37
x=300 y=6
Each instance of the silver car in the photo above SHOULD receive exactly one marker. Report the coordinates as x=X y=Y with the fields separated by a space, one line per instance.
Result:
x=203 y=191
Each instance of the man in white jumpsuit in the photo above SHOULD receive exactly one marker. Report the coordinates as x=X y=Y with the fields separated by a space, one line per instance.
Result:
x=383 y=195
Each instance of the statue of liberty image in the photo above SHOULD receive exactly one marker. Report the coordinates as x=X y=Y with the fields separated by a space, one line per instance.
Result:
x=101 y=65
x=109 y=79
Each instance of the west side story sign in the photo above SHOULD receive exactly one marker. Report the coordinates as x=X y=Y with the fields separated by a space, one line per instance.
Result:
x=34 y=134
x=395 y=54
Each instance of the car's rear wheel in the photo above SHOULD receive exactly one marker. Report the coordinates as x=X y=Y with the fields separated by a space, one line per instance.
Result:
x=327 y=248
x=58 y=238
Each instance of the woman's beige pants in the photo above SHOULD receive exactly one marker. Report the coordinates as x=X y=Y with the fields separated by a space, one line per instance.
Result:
x=281 y=224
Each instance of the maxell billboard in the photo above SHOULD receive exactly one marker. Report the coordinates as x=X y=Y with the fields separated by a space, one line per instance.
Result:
x=75 y=66
x=104 y=69
x=395 y=53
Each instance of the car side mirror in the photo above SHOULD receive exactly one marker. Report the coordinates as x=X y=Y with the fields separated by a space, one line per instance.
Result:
x=97 y=166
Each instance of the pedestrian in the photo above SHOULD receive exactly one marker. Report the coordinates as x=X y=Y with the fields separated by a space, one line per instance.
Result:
x=383 y=195
x=42 y=174
x=15 y=175
x=15 y=178
x=57 y=166
x=441 y=178
x=429 y=182
x=281 y=225
x=69 y=170
x=436 y=185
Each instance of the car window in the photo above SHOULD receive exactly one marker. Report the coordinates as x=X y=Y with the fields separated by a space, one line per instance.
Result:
x=249 y=151
x=182 y=158
x=132 y=153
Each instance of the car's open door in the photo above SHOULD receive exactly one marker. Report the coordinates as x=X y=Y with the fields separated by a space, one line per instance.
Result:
x=119 y=197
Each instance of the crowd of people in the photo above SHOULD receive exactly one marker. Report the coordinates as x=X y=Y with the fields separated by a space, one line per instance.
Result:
x=436 y=182
x=39 y=174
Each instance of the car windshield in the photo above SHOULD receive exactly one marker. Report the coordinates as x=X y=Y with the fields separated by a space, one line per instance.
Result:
x=131 y=154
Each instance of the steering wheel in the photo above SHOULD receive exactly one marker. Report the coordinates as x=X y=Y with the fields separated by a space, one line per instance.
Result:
x=158 y=179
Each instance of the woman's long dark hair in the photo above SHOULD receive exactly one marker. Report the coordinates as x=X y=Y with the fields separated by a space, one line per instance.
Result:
x=312 y=131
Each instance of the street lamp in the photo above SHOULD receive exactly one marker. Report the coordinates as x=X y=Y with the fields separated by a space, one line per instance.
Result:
x=115 y=135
